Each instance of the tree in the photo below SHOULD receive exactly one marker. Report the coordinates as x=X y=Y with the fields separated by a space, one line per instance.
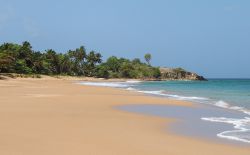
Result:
x=78 y=58
x=22 y=59
x=22 y=68
x=102 y=71
x=53 y=61
x=8 y=56
x=147 y=58
x=92 y=58
x=127 y=70
x=136 y=61
x=66 y=65
x=113 y=64
x=25 y=53
x=38 y=63
x=6 y=62
x=156 y=73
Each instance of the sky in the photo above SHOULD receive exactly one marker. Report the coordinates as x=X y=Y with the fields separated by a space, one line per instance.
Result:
x=210 y=37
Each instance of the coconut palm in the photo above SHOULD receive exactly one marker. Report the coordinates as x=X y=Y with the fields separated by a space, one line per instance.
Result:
x=147 y=58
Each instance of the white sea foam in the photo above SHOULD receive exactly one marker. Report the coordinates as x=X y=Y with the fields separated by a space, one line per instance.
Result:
x=190 y=98
x=223 y=104
x=241 y=131
x=128 y=84
x=241 y=128
x=131 y=89
x=178 y=97
x=160 y=92
x=106 y=84
x=133 y=81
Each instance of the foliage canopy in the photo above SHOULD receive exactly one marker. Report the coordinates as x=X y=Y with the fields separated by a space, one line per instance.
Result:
x=23 y=59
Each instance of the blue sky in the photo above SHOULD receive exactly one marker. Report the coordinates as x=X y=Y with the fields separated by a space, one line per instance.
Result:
x=211 y=37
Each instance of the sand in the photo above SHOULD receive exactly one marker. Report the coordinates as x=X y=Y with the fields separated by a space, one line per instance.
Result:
x=51 y=116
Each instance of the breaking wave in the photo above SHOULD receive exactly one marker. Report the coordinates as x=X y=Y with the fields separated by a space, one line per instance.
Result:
x=241 y=127
x=241 y=131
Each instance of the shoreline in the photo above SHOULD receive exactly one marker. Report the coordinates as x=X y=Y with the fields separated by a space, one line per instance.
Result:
x=189 y=122
x=223 y=115
x=59 y=117
x=6 y=76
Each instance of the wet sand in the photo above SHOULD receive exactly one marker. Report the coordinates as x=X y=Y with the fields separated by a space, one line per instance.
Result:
x=189 y=120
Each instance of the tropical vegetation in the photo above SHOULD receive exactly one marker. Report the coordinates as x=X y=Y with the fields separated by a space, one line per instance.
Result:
x=22 y=59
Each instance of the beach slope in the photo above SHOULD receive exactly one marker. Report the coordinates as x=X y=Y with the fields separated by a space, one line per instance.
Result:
x=58 y=117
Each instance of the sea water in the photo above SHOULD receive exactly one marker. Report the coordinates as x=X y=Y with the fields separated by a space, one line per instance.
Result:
x=232 y=95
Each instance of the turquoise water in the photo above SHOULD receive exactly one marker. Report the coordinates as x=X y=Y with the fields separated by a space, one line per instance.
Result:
x=232 y=95
x=235 y=92
x=230 y=99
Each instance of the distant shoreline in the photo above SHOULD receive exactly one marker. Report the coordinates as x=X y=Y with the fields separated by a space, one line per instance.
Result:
x=4 y=76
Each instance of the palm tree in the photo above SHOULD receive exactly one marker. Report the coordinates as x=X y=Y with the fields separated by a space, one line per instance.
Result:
x=147 y=58
x=8 y=56
x=53 y=59
x=92 y=59
x=78 y=58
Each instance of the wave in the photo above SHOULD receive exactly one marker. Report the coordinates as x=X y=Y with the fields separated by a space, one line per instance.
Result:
x=152 y=92
x=106 y=84
x=241 y=130
x=187 y=97
x=126 y=84
x=133 y=81
x=178 y=97
x=131 y=89
x=241 y=127
x=223 y=104
x=220 y=103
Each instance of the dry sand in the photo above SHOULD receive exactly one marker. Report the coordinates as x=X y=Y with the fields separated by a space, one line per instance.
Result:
x=57 y=117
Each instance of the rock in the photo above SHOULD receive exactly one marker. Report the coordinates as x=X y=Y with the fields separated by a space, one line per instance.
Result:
x=179 y=74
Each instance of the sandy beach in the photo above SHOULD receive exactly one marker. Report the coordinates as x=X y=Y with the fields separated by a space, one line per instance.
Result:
x=50 y=116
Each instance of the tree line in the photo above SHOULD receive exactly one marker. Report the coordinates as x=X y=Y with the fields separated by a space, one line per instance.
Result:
x=22 y=59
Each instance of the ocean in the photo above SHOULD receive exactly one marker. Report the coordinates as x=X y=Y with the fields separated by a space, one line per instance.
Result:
x=224 y=95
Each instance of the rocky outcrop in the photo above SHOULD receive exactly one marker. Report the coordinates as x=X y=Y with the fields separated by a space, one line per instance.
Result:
x=179 y=74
